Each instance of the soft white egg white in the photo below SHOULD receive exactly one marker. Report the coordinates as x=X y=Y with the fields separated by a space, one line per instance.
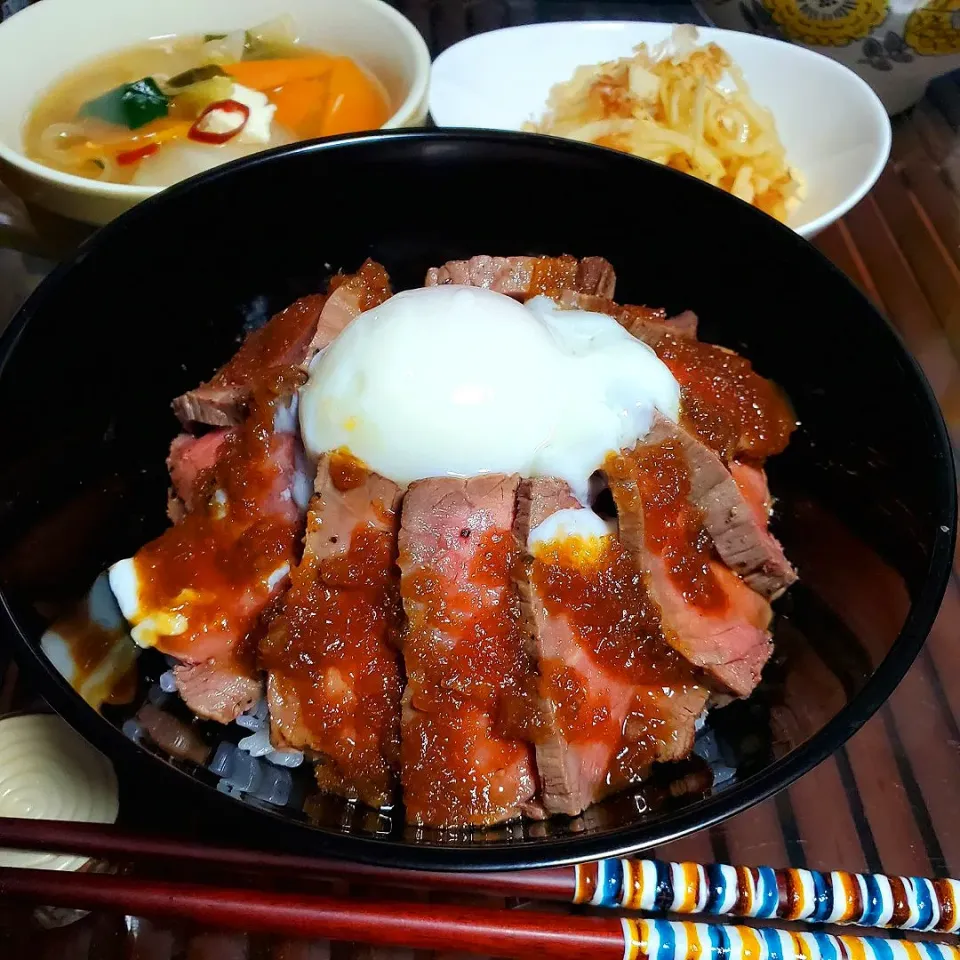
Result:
x=569 y=524
x=460 y=381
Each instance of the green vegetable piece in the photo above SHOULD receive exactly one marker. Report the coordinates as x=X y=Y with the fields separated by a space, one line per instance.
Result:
x=196 y=75
x=272 y=39
x=199 y=96
x=130 y=105
x=207 y=37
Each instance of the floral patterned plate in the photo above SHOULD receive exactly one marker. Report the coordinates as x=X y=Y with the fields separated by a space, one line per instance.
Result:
x=897 y=46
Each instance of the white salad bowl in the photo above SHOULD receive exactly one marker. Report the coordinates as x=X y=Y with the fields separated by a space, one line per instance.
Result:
x=46 y=40
x=832 y=125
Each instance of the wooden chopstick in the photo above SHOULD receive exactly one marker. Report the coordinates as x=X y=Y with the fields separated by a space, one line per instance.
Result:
x=502 y=933
x=872 y=900
x=103 y=841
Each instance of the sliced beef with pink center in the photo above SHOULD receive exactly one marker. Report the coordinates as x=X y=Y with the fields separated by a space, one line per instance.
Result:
x=219 y=689
x=707 y=612
x=614 y=696
x=282 y=342
x=469 y=703
x=349 y=295
x=189 y=456
x=525 y=277
x=289 y=339
x=334 y=666
x=198 y=591
x=649 y=324
x=735 y=511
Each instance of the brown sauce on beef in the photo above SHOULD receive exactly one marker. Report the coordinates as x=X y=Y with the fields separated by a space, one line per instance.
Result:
x=371 y=284
x=603 y=599
x=486 y=662
x=470 y=677
x=457 y=772
x=209 y=565
x=729 y=406
x=582 y=715
x=673 y=526
x=336 y=646
x=631 y=314
x=346 y=471
x=273 y=345
x=644 y=731
x=553 y=273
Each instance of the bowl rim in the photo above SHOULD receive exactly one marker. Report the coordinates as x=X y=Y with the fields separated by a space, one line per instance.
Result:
x=871 y=102
x=130 y=193
x=621 y=841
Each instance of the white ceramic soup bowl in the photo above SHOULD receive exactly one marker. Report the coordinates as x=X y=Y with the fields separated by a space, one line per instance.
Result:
x=834 y=129
x=48 y=39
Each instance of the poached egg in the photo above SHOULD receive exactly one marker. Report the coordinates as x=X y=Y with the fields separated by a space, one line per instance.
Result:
x=460 y=381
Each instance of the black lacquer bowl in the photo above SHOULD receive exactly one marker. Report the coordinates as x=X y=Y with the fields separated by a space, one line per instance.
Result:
x=156 y=301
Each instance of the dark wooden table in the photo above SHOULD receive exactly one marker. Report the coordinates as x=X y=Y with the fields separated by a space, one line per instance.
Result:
x=887 y=801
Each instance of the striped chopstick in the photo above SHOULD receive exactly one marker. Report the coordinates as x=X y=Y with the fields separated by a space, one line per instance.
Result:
x=501 y=933
x=868 y=900
x=864 y=899
x=685 y=940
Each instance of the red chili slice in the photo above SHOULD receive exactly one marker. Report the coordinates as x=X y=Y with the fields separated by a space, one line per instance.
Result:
x=227 y=106
x=134 y=156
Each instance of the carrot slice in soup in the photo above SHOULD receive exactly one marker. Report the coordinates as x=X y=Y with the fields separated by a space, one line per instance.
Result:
x=354 y=102
x=267 y=75
x=302 y=106
x=343 y=100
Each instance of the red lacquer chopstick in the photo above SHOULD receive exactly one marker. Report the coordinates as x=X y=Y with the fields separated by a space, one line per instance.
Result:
x=106 y=842
x=499 y=933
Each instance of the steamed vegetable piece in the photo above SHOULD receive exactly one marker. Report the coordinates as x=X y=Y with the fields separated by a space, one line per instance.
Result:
x=302 y=105
x=130 y=105
x=154 y=135
x=355 y=102
x=195 y=75
x=317 y=95
x=272 y=39
x=266 y=75
x=195 y=98
x=223 y=47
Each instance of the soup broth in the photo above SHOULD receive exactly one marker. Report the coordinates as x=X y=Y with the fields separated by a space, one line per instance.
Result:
x=158 y=112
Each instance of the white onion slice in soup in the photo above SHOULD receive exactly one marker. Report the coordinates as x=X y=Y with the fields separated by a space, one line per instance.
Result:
x=177 y=161
x=55 y=141
x=183 y=158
